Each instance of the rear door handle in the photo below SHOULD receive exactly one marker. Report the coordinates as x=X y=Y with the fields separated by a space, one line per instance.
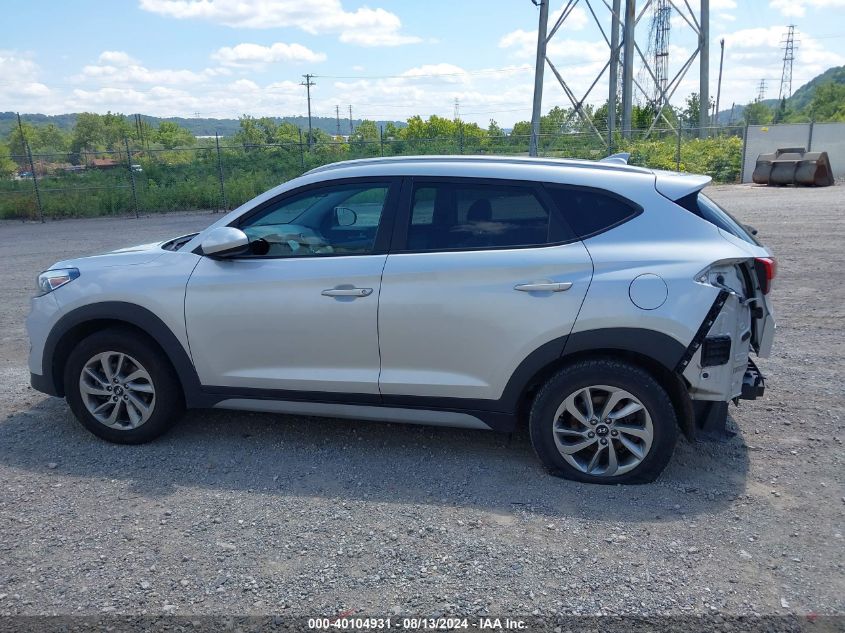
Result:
x=347 y=292
x=544 y=286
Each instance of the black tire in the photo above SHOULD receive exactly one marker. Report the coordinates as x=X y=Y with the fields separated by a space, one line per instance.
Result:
x=168 y=404
x=612 y=373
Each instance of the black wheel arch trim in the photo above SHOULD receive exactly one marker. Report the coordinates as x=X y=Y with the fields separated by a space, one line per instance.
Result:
x=130 y=314
x=649 y=343
x=500 y=414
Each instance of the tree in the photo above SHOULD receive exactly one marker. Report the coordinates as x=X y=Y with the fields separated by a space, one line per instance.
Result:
x=116 y=129
x=89 y=133
x=16 y=142
x=691 y=111
x=828 y=103
x=251 y=132
x=51 y=139
x=171 y=135
x=493 y=130
x=7 y=165
x=366 y=131
x=757 y=113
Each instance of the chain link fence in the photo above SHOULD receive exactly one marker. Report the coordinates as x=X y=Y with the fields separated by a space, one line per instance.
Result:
x=218 y=174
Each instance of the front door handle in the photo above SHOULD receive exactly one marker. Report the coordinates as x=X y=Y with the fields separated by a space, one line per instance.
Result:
x=545 y=286
x=347 y=292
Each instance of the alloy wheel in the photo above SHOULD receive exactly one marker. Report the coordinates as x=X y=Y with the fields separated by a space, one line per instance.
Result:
x=603 y=431
x=117 y=391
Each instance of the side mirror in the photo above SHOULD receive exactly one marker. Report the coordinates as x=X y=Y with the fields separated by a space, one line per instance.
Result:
x=344 y=216
x=225 y=241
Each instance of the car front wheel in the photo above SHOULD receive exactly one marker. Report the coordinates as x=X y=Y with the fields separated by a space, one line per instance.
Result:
x=121 y=387
x=603 y=421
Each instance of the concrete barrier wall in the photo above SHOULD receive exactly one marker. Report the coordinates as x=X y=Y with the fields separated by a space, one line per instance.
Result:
x=816 y=137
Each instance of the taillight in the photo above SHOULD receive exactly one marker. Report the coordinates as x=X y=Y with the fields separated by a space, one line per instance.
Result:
x=767 y=268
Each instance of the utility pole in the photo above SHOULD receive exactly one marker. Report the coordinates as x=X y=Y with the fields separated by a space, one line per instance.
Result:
x=704 y=68
x=719 y=85
x=540 y=65
x=628 y=66
x=351 y=129
x=788 y=56
x=613 y=81
x=337 y=114
x=308 y=83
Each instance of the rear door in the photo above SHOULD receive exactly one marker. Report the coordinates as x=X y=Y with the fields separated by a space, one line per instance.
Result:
x=481 y=274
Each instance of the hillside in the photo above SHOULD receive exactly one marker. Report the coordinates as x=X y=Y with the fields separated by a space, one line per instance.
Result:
x=197 y=126
x=799 y=100
x=802 y=97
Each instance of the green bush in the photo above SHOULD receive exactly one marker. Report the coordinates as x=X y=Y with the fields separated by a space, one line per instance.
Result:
x=188 y=179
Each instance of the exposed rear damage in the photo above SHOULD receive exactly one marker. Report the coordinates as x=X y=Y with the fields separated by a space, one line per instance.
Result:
x=717 y=367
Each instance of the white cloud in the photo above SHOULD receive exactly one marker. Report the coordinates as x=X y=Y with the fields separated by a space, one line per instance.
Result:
x=118 y=67
x=118 y=58
x=575 y=21
x=19 y=80
x=798 y=8
x=364 y=27
x=524 y=45
x=257 y=55
x=447 y=72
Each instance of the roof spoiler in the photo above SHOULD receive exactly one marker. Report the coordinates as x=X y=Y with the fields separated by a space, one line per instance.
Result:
x=620 y=158
x=674 y=185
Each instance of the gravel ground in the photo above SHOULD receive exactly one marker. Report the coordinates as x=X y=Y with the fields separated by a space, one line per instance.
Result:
x=254 y=514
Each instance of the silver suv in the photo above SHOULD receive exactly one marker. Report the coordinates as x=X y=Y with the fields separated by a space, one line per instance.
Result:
x=611 y=306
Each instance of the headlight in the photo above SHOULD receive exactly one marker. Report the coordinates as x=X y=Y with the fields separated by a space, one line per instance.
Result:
x=49 y=280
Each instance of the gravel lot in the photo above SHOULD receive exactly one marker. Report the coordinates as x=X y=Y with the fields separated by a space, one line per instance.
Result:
x=255 y=514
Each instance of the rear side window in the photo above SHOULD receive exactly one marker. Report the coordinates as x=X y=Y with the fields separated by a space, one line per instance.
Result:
x=453 y=215
x=588 y=211
x=705 y=208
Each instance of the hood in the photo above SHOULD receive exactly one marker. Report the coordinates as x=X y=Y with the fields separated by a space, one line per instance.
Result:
x=127 y=256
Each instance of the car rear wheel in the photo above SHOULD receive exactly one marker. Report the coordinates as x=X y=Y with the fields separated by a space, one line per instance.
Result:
x=603 y=421
x=121 y=387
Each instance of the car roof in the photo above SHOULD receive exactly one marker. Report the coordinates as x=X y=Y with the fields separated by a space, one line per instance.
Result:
x=612 y=173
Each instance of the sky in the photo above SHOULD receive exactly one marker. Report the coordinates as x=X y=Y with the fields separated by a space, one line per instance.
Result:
x=388 y=59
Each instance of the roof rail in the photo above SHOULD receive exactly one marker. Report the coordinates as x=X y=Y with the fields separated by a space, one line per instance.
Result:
x=617 y=163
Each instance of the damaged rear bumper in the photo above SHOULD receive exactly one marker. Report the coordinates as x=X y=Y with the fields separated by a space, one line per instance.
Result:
x=711 y=417
x=753 y=383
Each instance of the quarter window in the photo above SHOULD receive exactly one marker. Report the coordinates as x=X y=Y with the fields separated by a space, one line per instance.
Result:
x=588 y=211
x=331 y=220
x=457 y=216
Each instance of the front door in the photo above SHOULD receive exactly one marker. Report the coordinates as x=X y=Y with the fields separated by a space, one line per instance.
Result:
x=301 y=316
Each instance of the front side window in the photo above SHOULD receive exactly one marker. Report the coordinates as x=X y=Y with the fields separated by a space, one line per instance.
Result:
x=330 y=220
x=467 y=216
